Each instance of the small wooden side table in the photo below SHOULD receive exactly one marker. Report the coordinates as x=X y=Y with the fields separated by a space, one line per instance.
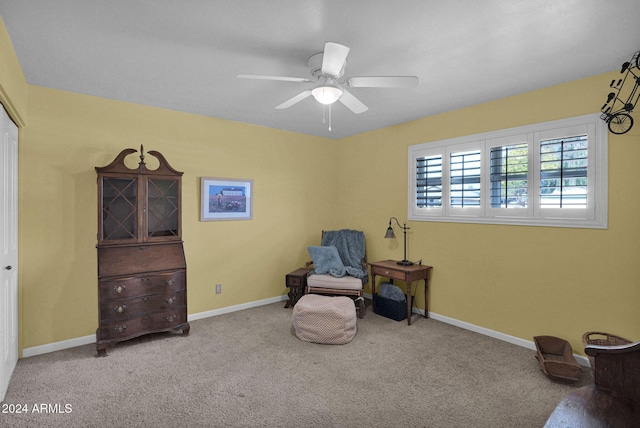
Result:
x=297 y=282
x=392 y=270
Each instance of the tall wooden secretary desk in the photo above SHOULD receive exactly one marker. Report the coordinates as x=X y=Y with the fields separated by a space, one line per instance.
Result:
x=142 y=270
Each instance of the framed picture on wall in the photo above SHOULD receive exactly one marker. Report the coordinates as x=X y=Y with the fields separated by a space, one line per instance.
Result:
x=226 y=199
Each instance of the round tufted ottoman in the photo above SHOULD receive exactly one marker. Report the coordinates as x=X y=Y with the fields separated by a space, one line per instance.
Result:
x=324 y=319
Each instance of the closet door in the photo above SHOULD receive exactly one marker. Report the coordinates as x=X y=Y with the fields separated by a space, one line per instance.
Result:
x=8 y=249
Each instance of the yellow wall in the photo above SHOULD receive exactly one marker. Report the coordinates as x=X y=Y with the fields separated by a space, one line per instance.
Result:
x=69 y=134
x=521 y=281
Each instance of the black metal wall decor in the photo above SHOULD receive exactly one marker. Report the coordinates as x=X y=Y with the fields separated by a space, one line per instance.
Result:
x=624 y=97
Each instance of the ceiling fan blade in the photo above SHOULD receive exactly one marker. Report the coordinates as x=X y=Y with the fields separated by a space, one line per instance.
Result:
x=352 y=103
x=281 y=78
x=301 y=96
x=383 y=82
x=333 y=58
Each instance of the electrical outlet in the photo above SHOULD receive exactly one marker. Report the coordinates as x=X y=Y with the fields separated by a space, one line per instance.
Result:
x=218 y=288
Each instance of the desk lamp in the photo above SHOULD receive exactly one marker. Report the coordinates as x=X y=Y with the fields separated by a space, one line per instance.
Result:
x=391 y=235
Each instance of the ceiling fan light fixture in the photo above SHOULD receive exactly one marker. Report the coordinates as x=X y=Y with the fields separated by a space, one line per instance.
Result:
x=326 y=94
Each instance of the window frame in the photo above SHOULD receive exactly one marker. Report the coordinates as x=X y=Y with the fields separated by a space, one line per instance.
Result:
x=595 y=215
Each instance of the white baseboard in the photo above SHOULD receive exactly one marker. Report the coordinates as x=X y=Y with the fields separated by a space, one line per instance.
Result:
x=58 y=346
x=86 y=340
x=582 y=360
x=228 y=309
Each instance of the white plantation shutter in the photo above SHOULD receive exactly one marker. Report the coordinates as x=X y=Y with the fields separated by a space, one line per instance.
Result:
x=429 y=181
x=548 y=174
x=464 y=175
x=563 y=172
x=509 y=166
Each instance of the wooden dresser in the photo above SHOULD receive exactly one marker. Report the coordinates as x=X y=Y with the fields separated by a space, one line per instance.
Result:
x=142 y=271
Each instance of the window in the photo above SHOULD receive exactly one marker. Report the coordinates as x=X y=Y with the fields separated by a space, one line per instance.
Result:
x=429 y=181
x=547 y=174
x=509 y=176
x=464 y=176
x=563 y=172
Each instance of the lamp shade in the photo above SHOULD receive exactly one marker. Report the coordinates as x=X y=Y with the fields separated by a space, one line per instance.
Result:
x=326 y=94
x=390 y=233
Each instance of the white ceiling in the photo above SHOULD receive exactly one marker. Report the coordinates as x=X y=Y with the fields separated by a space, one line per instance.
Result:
x=185 y=55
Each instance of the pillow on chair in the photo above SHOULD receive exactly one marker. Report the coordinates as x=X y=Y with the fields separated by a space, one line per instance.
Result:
x=326 y=260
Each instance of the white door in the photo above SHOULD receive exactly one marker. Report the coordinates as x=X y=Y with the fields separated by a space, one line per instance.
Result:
x=8 y=249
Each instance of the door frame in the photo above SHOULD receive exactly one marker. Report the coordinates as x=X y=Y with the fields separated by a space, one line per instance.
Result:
x=9 y=154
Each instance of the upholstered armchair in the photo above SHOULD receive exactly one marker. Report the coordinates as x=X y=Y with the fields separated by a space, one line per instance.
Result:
x=338 y=266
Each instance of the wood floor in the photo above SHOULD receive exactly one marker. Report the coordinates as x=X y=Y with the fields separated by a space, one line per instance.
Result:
x=589 y=407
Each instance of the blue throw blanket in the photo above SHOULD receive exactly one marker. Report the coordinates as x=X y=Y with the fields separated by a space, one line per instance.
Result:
x=351 y=248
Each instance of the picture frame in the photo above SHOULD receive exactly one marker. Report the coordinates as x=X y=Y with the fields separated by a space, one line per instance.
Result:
x=226 y=199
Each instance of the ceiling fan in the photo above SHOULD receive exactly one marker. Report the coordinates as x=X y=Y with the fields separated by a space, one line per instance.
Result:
x=327 y=69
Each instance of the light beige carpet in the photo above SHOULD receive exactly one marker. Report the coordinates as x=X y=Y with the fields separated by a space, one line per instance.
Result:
x=248 y=369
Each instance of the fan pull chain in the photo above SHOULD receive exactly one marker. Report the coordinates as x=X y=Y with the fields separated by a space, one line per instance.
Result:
x=324 y=114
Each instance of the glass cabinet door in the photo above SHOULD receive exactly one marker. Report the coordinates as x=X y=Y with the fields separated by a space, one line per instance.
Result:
x=162 y=207
x=119 y=208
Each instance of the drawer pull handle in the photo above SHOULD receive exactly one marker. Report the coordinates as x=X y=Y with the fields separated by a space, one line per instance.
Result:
x=145 y=298
x=170 y=300
x=119 y=288
x=120 y=328
x=170 y=318
x=143 y=248
x=145 y=279
x=386 y=272
x=120 y=309
x=170 y=282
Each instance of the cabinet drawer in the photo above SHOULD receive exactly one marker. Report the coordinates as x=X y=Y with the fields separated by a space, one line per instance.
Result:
x=297 y=278
x=144 y=324
x=294 y=281
x=129 y=260
x=124 y=288
x=389 y=273
x=129 y=308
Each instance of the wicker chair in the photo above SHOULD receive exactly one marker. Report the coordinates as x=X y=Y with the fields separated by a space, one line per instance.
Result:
x=601 y=339
x=617 y=370
x=347 y=285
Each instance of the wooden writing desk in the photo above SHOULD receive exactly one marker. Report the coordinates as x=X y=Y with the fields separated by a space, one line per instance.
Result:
x=392 y=270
